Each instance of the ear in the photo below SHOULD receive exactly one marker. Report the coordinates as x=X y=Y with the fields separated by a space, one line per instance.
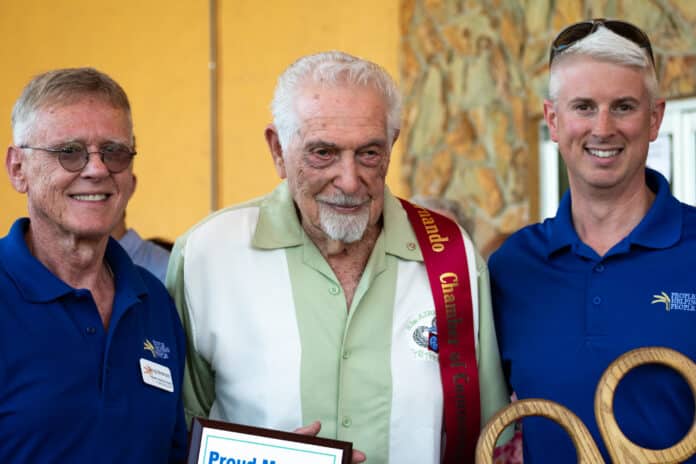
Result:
x=273 y=142
x=14 y=160
x=551 y=118
x=656 y=115
x=135 y=184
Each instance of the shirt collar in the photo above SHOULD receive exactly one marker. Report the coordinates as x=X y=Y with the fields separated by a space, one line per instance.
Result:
x=37 y=284
x=660 y=228
x=279 y=225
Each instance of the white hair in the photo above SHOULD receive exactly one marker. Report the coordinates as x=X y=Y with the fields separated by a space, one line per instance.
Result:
x=330 y=68
x=606 y=45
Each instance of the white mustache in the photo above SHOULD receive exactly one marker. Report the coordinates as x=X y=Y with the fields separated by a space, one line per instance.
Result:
x=342 y=200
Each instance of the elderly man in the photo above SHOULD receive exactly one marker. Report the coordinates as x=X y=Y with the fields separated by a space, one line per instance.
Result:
x=92 y=348
x=313 y=302
x=611 y=272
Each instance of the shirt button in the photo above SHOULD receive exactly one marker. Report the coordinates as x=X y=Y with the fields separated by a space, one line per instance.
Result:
x=346 y=354
x=90 y=330
x=346 y=421
x=596 y=300
x=411 y=246
x=599 y=268
x=334 y=290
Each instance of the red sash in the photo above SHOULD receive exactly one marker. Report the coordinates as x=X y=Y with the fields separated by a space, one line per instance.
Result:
x=444 y=254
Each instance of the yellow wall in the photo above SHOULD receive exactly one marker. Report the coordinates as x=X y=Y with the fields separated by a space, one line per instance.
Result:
x=158 y=51
x=258 y=40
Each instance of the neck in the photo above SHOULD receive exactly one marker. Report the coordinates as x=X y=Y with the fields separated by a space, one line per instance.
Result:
x=348 y=260
x=77 y=262
x=602 y=221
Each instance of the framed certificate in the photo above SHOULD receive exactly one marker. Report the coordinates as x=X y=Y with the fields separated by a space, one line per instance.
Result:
x=215 y=442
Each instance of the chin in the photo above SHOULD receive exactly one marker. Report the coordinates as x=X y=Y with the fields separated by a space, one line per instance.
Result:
x=90 y=232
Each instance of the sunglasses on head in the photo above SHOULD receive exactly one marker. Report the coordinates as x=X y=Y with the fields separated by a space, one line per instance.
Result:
x=579 y=31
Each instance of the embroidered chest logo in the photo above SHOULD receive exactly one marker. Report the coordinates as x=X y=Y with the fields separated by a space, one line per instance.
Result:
x=423 y=335
x=157 y=349
x=676 y=301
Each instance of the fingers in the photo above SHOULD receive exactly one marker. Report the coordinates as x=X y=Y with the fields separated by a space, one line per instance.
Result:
x=314 y=428
x=311 y=429
x=358 y=457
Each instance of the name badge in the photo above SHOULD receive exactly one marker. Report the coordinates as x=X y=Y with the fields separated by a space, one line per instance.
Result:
x=157 y=375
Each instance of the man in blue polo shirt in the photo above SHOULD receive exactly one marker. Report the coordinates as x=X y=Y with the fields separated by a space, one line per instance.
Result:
x=92 y=347
x=613 y=270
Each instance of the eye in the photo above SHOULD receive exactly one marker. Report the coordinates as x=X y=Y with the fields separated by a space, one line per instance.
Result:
x=115 y=149
x=583 y=107
x=320 y=157
x=370 y=157
x=624 y=108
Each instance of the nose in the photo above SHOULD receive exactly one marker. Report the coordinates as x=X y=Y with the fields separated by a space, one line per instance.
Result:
x=95 y=166
x=347 y=177
x=604 y=126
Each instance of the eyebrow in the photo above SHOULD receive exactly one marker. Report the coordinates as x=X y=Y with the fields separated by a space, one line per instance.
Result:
x=381 y=143
x=81 y=141
x=312 y=144
x=626 y=99
x=580 y=100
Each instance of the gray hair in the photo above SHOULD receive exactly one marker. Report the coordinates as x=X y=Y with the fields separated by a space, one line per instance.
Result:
x=605 y=45
x=63 y=87
x=330 y=68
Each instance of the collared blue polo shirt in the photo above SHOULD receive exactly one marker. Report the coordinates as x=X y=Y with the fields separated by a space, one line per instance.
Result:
x=564 y=313
x=71 y=391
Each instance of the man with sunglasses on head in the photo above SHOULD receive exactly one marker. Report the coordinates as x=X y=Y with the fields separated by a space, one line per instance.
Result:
x=92 y=348
x=613 y=270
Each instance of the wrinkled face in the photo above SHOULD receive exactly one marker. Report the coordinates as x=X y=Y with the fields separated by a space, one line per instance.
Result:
x=603 y=122
x=85 y=204
x=336 y=165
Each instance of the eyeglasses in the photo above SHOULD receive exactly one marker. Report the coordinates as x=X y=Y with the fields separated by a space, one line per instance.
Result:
x=73 y=157
x=578 y=31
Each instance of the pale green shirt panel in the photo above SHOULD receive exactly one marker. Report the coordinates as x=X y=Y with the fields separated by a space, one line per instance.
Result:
x=346 y=382
x=493 y=389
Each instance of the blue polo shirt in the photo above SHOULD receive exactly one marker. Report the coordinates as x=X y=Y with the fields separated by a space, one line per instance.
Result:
x=69 y=390
x=563 y=314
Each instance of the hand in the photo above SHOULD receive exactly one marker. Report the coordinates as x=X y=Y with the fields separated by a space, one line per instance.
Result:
x=314 y=428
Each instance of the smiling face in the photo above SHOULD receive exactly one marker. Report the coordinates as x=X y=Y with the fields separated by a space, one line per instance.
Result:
x=603 y=121
x=85 y=204
x=337 y=163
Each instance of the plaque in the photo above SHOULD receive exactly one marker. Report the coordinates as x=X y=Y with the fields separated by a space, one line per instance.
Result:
x=215 y=442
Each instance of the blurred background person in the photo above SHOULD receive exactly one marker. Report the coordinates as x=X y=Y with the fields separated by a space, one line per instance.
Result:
x=149 y=254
